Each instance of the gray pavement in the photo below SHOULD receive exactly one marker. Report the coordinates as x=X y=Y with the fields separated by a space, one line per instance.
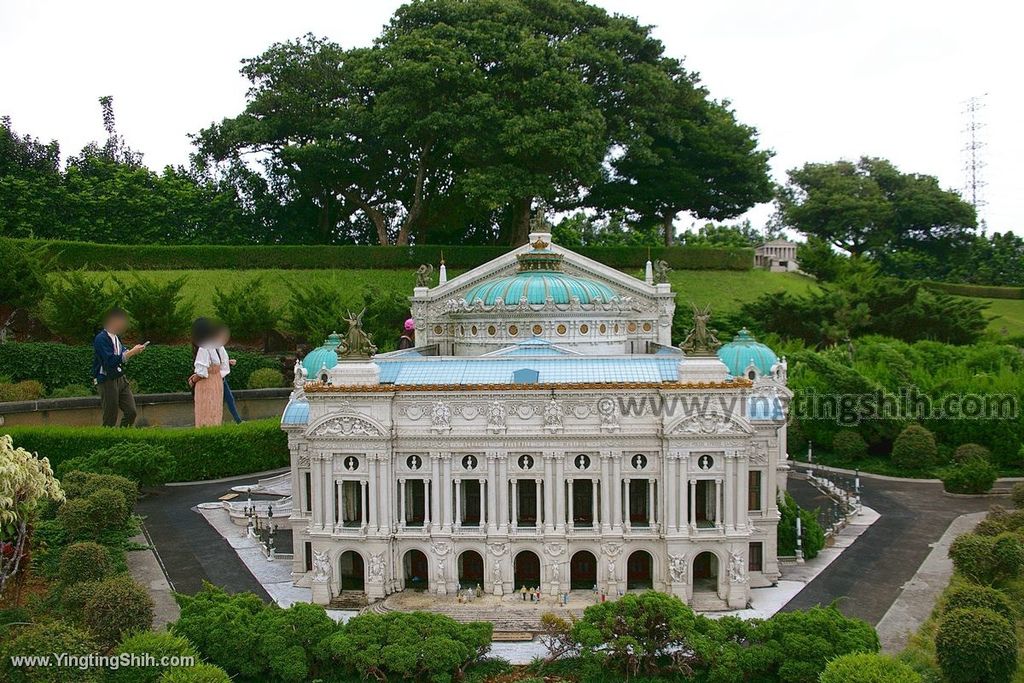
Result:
x=870 y=575
x=145 y=568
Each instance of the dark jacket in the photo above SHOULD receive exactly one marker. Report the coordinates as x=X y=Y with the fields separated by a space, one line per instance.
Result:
x=105 y=363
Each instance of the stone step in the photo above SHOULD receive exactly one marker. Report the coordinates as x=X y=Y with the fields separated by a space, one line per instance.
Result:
x=348 y=600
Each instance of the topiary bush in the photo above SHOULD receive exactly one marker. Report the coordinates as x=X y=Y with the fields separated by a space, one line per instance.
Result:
x=90 y=517
x=145 y=463
x=849 y=444
x=971 y=476
x=863 y=667
x=266 y=378
x=253 y=446
x=117 y=606
x=1017 y=495
x=78 y=484
x=976 y=646
x=970 y=452
x=988 y=559
x=25 y=390
x=969 y=596
x=914 y=449
x=44 y=639
x=160 y=645
x=83 y=561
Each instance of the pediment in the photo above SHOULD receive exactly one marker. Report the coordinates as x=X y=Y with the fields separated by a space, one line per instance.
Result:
x=346 y=425
x=711 y=424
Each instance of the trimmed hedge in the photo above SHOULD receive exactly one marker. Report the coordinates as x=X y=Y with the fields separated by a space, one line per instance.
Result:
x=70 y=255
x=160 y=369
x=207 y=453
x=983 y=291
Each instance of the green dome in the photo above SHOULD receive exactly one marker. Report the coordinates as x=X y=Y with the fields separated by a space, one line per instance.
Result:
x=537 y=286
x=743 y=351
x=540 y=277
x=326 y=355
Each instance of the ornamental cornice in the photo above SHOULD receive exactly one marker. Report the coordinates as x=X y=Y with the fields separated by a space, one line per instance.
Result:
x=519 y=389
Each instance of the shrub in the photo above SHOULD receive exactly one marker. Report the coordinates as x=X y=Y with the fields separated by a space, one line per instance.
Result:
x=315 y=309
x=971 y=451
x=22 y=278
x=247 y=310
x=89 y=518
x=117 y=606
x=25 y=390
x=157 y=310
x=969 y=596
x=914 y=449
x=1017 y=495
x=75 y=304
x=84 y=561
x=160 y=369
x=145 y=463
x=972 y=476
x=250 y=447
x=43 y=640
x=862 y=667
x=976 y=645
x=159 y=645
x=813 y=534
x=200 y=673
x=988 y=559
x=849 y=444
x=266 y=378
x=71 y=391
x=79 y=484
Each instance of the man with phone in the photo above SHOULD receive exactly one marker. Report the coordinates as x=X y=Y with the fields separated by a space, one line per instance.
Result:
x=108 y=359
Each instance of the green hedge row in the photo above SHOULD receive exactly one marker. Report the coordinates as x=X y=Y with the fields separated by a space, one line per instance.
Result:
x=160 y=369
x=207 y=453
x=69 y=255
x=984 y=291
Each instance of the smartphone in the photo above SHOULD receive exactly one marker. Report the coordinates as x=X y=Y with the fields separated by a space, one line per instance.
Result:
x=146 y=344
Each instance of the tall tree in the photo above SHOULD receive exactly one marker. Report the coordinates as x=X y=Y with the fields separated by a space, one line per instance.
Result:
x=870 y=207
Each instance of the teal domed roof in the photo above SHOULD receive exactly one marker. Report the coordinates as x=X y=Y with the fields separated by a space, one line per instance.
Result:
x=326 y=355
x=540 y=277
x=744 y=350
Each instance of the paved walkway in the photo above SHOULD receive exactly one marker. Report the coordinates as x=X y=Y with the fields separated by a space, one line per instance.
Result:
x=145 y=568
x=871 y=574
x=914 y=605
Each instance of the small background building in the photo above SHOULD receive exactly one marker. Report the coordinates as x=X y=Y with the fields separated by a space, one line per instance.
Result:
x=777 y=256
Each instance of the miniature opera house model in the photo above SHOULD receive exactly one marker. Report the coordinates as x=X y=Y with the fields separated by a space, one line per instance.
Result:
x=543 y=432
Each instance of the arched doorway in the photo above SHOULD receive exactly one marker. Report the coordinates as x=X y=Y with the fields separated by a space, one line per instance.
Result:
x=471 y=570
x=639 y=571
x=527 y=570
x=416 y=570
x=583 y=571
x=350 y=567
x=705 y=572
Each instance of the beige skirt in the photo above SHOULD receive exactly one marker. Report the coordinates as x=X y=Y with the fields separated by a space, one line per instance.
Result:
x=209 y=400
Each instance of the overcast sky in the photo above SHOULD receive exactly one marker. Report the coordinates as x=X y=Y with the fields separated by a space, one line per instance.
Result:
x=820 y=80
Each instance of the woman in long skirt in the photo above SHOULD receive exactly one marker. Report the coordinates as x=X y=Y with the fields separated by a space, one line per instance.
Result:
x=206 y=378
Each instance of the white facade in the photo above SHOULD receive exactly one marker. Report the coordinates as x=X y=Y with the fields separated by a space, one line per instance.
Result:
x=778 y=256
x=548 y=459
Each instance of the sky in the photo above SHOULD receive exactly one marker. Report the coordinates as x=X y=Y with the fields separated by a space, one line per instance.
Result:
x=819 y=80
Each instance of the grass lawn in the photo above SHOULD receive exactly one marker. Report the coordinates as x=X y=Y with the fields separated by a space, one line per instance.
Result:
x=1005 y=314
x=726 y=290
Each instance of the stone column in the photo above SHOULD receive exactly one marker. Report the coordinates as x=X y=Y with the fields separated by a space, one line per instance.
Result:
x=515 y=504
x=626 y=505
x=568 y=485
x=401 y=504
x=328 y=501
x=719 y=494
x=485 y=514
x=444 y=492
x=693 y=504
x=539 y=483
x=683 y=482
x=501 y=493
x=595 y=485
x=373 y=490
x=458 y=503
x=616 y=499
x=432 y=498
x=650 y=503
x=492 y=493
x=386 y=487
x=670 y=487
x=607 y=511
x=558 y=492
x=742 y=470
x=339 y=487
x=317 y=494
x=548 y=491
x=365 y=516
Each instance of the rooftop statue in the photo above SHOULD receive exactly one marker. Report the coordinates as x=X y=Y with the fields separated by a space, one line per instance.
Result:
x=702 y=340
x=661 y=271
x=357 y=344
x=539 y=222
x=423 y=275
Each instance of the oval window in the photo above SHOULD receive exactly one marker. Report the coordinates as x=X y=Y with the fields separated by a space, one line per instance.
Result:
x=584 y=328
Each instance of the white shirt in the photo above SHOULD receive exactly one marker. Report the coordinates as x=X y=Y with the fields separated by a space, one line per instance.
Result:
x=117 y=343
x=225 y=361
x=206 y=357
